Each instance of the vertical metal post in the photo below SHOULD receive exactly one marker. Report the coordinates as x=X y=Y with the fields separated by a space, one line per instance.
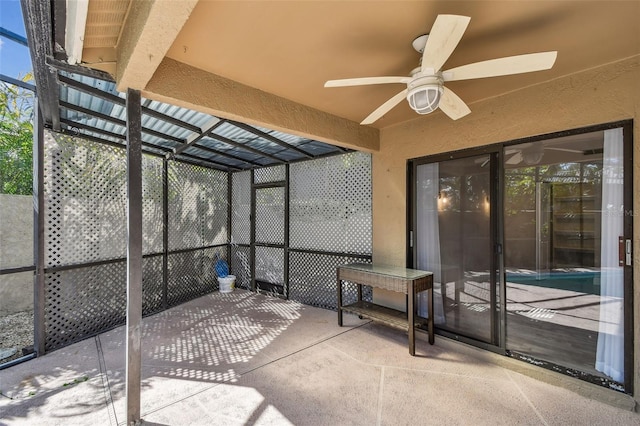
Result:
x=539 y=219
x=499 y=235
x=38 y=232
x=229 y=222
x=252 y=241
x=496 y=248
x=134 y=256
x=165 y=233
x=286 y=233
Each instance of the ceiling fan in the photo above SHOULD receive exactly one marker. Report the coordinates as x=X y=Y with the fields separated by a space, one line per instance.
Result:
x=425 y=90
x=531 y=154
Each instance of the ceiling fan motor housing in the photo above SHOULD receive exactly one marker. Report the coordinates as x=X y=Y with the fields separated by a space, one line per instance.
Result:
x=425 y=91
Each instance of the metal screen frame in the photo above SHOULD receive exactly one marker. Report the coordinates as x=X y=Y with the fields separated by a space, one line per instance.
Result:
x=192 y=215
x=84 y=255
x=327 y=223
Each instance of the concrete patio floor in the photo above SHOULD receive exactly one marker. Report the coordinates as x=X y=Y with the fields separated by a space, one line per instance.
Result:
x=243 y=358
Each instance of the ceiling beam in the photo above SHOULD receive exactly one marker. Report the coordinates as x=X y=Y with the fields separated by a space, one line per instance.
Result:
x=211 y=163
x=220 y=153
x=78 y=69
x=81 y=126
x=216 y=122
x=179 y=84
x=270 y=138
x=149 y=31
x=76 y=133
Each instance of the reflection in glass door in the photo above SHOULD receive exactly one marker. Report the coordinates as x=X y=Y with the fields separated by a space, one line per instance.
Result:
x=453 y=239
x=563 y=220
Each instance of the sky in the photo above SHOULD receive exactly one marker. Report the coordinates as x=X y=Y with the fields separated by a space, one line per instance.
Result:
x=14 y=57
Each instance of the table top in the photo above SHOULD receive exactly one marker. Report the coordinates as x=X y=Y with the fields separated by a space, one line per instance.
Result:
x=392 y=271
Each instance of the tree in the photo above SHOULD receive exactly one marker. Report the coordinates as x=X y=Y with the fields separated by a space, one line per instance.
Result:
x=16 y=138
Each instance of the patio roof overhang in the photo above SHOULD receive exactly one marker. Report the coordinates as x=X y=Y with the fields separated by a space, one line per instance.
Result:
x=85 y=102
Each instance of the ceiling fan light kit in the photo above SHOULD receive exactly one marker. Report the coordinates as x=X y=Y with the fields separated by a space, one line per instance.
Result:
x=425 y=90
x=424 y=93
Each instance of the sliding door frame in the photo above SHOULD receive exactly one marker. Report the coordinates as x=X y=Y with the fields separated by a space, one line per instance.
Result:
x=497 y=172
x=498 y=313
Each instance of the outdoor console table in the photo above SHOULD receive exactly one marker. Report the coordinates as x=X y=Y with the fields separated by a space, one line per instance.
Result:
x=402 y=280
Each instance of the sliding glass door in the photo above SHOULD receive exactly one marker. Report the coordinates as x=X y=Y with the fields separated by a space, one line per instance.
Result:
x=530 y=245
x=565 y=251
x=453 y=239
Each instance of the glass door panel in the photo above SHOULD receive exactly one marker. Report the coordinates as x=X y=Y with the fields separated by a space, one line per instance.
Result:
x=563 y=215
x=453 y=239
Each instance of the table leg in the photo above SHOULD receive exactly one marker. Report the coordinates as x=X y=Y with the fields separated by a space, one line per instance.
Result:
x=411 y=311
x=431 y=311
x=339 y=301
x=359 y=292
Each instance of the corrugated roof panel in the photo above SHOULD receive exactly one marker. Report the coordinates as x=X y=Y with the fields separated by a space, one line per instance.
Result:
x=175 y=131
x=183 y=114
x=217 y=158
x=285 y=137
x=232 y=132
x=101 y=136
x=318 y=148
x=230 y=149
x=239 y=135
x=265 y=146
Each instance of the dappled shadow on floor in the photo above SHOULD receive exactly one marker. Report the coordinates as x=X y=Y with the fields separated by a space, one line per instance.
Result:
x=210 y=340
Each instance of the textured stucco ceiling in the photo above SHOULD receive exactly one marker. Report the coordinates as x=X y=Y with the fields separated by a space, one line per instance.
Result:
x=290 y=49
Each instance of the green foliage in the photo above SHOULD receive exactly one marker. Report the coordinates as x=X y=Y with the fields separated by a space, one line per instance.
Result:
x=16 y=139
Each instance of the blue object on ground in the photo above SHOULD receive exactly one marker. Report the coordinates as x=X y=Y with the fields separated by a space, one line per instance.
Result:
x=222 y=268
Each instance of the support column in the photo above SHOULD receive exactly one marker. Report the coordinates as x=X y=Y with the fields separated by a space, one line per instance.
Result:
x=39 y=299
x=134 y=256
x=165 y=233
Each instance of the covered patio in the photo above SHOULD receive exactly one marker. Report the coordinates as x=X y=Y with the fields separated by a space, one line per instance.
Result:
x=245 y=358
x=151 y=164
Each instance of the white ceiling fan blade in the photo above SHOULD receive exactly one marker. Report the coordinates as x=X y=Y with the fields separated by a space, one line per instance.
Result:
x=502 y=66
x=363 y=81
x=452 y=105
x=445 y=35
x=385 y=107
x=515 y=158
x=575 y=151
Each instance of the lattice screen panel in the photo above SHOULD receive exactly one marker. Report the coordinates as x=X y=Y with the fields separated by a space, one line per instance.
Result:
x=312 y=280
x=197 y=206
x=152 y=284
x=83 y=302
x=270 y=264
x=270 y=174
x=241 y=207
x=270 y=215
x=215 y=217
x=85 y=201
x=330 y=204
x=152 y=204
x=192 y=274
x=241 y=266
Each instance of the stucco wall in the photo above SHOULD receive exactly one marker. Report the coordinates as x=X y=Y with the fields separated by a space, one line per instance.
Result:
x=16 y=250
x=600 y=95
